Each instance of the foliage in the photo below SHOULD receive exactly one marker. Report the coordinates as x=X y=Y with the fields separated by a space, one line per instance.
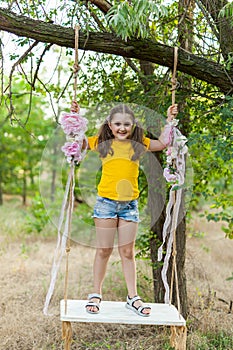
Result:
x=37 y=217
x=135 y=19
x=19 y=160
x=213 y=166
x=227 y=11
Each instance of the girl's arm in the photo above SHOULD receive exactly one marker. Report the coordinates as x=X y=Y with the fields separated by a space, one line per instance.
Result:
x=163 y=141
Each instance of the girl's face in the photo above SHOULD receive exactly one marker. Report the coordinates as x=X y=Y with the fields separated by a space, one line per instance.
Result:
x=121 y=125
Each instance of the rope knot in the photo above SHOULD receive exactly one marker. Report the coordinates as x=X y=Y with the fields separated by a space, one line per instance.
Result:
x=76 y=68
x=175 y=84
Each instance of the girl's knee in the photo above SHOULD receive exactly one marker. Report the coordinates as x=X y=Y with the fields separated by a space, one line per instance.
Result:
x=126 y=252
x=104 y=253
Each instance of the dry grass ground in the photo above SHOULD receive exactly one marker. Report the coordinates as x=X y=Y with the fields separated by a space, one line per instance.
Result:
x=25 y=266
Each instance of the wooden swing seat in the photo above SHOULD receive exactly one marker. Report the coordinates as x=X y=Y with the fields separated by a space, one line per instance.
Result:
x=116 y=312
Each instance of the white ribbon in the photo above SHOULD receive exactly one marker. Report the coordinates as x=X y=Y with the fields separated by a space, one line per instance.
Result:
x=67 y=206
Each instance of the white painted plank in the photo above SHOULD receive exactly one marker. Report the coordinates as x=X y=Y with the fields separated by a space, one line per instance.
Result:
x=116 y=312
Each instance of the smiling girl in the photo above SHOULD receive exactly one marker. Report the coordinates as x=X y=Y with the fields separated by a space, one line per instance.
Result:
x=120 y=143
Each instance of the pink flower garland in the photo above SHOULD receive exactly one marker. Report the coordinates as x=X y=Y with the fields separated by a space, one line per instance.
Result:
x=74 y=126
x=171 y=171
x=73 y=123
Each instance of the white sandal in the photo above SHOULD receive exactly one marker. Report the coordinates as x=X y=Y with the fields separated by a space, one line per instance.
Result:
x=92 y=303
x=138 y=310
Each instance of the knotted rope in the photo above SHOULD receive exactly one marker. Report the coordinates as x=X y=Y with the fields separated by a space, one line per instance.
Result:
x=76 y=67
x=173 y=79
x=174 y=172
x=74 y=126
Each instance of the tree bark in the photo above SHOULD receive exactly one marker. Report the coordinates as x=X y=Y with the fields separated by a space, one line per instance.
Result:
x=156 y=205
x=146 y=50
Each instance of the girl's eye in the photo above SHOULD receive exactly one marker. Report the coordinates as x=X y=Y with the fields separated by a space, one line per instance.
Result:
x=126 y=125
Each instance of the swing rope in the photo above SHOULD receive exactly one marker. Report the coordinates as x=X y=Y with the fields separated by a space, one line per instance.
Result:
x=69 y=217
x=74 y=127
x=176 y=208
x=76 y=66
x=174 y=79
x=179 y=149
x=76 y=69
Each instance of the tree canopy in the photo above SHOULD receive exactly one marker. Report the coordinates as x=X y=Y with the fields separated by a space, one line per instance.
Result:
x=134 y=29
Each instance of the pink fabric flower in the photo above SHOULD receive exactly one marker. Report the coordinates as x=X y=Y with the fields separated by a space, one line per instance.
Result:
x=169 y=176
x=73 y=123
x=72 y=150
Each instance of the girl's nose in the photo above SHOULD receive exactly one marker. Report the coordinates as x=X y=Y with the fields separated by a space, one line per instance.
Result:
x=122 y=127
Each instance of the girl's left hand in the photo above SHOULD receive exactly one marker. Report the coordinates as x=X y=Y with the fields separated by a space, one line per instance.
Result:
x=172 y=112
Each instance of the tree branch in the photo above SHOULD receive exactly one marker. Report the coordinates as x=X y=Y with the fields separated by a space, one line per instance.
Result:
x=146 y=50
x=103 y=5
x=11 y=110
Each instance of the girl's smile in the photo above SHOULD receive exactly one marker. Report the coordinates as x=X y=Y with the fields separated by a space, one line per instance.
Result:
x=121 y=126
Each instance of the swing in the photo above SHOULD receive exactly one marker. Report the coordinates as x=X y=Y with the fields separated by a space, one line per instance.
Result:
x=162 y=314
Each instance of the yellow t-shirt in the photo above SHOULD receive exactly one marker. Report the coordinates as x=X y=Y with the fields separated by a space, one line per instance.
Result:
x=119 y=180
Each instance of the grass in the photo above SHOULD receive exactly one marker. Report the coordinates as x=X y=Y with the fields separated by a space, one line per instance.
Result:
x=211 y=341
x=12 y=219
x=25 y=263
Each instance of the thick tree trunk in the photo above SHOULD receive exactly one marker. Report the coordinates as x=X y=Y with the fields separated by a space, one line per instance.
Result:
x=180 y=263
x=156 y=204
x=147 y=50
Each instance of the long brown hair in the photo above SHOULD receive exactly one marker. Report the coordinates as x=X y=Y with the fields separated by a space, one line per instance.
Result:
x=105 y=135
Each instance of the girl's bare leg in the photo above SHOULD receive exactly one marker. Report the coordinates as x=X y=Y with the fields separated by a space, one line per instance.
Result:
x=105 y=233
x=127 y=231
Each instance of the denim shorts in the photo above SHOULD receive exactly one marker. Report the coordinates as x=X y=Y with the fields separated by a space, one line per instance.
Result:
x=110 y=209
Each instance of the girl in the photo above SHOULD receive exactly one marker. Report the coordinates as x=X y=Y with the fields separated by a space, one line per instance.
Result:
x=120 y=143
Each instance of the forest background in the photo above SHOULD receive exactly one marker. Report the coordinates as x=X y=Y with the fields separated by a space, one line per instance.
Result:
x=126 y=56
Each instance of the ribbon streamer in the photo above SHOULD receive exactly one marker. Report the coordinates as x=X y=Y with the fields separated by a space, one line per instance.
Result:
x=173 y=206
x=67 y=208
